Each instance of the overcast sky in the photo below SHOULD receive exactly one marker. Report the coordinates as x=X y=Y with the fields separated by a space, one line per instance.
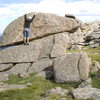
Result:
x=85 y=10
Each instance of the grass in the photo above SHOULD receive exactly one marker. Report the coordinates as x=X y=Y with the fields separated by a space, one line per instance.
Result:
x=95 y=80
x=34 y=92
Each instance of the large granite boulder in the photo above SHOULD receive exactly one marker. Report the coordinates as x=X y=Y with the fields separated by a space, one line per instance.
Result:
x=70 y=68
x=42 y=25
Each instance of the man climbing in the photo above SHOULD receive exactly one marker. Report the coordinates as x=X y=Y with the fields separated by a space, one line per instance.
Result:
x=27 y=22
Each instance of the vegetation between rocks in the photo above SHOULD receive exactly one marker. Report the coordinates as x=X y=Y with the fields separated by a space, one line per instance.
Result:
x=36 y=90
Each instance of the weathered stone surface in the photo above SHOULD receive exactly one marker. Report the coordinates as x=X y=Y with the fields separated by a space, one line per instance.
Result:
x=21 y=53
x=71 y=68
x=40 y=65
x=75 y=47
x=94 y=35
x=93 y=39
x=66 y=68
x=42 y=25
x=4 y=67
x=77 y=37
x=86 y=93
x=58 y=90
x=4 y=76
x=84 y=66
x=20 y=69
x=47 y=45
x=6 y=87
x=61 y=42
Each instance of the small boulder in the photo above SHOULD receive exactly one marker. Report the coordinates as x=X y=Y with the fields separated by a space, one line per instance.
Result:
x=86 y=93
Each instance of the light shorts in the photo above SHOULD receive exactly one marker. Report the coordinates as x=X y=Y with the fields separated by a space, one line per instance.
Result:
x=26 y=32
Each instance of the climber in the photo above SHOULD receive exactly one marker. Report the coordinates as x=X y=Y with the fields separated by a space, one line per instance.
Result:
x=27 y=22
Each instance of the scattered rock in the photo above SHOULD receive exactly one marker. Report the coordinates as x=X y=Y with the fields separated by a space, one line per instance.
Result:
x=58 y=91
x=86 y=93
x=6 y=87
x=85 y=83
x=28 y=84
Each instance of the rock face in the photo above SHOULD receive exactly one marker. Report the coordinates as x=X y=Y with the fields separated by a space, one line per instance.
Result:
x=70 y=68
x=42 y=25
x=4 y=67
x=61 y=42
x=46 y=54
x=20 y=53
x=93 y=39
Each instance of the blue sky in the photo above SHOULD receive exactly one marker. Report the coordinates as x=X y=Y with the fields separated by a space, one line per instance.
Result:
x=85 y=10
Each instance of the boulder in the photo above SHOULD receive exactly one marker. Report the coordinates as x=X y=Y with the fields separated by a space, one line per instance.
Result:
x=86 y=93
x=84 y=66
x=70 y=16
x=20 y=69
x=47 y=45
x=43 y=24
x=61 y=42
x=58 y=90
x=21 y=53
x=68 y=68
x=40 y=65
x=4 y=67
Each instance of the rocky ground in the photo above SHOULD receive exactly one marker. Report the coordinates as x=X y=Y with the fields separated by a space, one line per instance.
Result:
x=62 y=61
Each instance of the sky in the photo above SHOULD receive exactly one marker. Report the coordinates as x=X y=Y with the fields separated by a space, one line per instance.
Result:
x=84 y=10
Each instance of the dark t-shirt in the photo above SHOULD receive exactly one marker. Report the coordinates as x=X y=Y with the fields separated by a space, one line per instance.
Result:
x=27 y=21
